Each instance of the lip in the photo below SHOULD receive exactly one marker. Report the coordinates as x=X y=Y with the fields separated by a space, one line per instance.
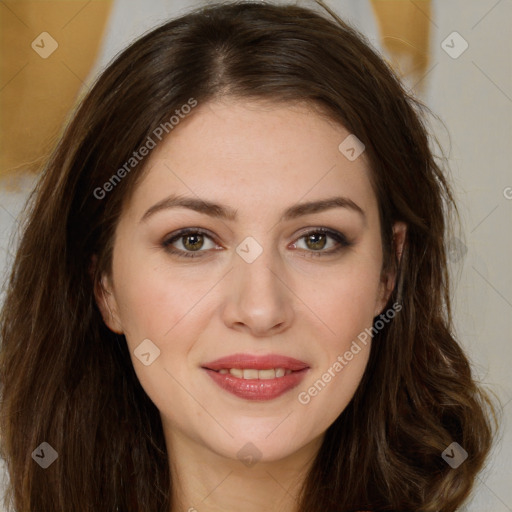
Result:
x=263 y=362
x=257 y=389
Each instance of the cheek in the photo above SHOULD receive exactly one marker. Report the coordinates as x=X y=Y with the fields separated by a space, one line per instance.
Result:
x=153 y=306
x=344 y=355
x=168 y=312
x=349 y=299
x=349 y=312
x=348 y=308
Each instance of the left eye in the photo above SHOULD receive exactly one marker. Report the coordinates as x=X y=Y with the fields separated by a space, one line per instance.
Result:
x=317 y=240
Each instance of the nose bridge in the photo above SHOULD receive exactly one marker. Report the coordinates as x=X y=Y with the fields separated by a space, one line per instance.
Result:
x=256 y=271
x=257 y=296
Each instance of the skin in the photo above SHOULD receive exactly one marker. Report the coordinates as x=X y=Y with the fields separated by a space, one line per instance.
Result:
x=258 y=159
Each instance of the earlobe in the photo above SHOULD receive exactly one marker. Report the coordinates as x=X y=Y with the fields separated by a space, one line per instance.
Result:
x=399 y=234
x=389 y=277
x=107 y=304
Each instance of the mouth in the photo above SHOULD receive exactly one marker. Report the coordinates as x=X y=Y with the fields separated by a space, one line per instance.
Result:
x=253 y=373
x=257 y=378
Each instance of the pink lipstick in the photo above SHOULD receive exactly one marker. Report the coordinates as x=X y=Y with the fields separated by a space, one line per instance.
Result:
x=254 y=377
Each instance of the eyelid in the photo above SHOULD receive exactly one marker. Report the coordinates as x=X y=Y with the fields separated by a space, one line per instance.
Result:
x=340 y=239
x=333 y=233
x=175 y=236
x=187 y=231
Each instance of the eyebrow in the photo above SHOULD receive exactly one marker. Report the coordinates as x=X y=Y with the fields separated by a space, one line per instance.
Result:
x=225 y=212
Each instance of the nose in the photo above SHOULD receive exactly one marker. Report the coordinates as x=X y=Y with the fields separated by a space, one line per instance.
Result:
x=258 y=301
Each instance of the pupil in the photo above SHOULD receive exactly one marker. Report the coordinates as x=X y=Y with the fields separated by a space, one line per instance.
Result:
x=318 y=243
x=198 y=239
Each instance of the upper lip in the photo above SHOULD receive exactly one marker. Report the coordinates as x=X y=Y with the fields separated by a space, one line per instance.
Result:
x=257 y=362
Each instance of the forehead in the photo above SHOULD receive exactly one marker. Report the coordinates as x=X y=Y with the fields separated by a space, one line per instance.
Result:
x=254 y=154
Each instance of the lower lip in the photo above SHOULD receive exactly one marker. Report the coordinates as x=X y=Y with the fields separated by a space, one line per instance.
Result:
x=257 y=389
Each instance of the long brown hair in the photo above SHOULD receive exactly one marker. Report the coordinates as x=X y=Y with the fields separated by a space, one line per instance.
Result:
x=67 y=380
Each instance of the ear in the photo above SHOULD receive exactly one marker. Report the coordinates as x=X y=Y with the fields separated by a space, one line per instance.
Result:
x=389 y=276
x=105 y=299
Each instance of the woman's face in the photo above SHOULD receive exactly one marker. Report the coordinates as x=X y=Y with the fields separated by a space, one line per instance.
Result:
x=255 y=280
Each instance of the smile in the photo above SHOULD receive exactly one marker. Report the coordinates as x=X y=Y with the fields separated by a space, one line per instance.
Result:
x=251 y=373
x=256 y=377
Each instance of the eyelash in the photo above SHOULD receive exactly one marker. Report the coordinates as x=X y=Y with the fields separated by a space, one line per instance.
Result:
x=338 y=237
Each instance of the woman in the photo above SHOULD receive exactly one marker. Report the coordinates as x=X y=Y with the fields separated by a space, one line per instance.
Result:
x=231 y=292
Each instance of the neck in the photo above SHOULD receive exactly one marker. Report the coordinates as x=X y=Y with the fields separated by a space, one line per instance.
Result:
x=206 y=481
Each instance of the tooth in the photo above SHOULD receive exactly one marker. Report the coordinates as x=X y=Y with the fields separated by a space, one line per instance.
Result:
x=250 y=374
x=267 y=374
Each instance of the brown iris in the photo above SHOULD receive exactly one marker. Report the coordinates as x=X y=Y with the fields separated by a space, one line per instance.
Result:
x=316 y=241
x=197 y=241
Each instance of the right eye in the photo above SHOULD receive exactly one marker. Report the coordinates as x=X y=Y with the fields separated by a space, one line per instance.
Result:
x=191 y=239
